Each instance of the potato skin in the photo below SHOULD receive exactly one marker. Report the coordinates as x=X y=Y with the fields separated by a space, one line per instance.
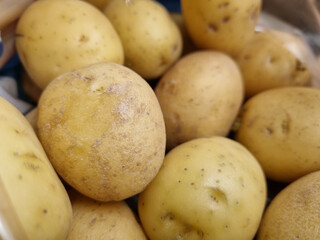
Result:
x=54 y=37
x=294 y=212
x=103 y=130
x=36 y=194
x=151 y=40
x=103 y=220
x=280 y=127
x=207 y=188
x=221 y=25
x=200 y=96
x=266 y=63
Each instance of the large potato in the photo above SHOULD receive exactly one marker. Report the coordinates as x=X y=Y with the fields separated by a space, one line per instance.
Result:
x=221 y=25
x=54 y=37
x=98 y=220
x=294 y=212
x=209 y=188
x=266 y=62
x=281 y=129
x=103 y=130
x=200 y=96
x=151 y=40
x=34 y=204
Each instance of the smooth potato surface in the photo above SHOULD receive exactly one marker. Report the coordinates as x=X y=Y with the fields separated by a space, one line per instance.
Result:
x=280 y=127
x=35 y=199
x=200 y=96
x=103 y=130
x=54 y=37
x=208 y=188
x=151 y=40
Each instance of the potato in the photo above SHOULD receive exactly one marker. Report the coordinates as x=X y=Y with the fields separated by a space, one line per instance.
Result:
x=54 y=37
x=34 y=203
x=207 y=188
x=98 y=220
x=200 y=96
x=266 y=63
x=103 y=130
x=221 y=25
x=151 y=40
x=294 y=212
x=280 y=127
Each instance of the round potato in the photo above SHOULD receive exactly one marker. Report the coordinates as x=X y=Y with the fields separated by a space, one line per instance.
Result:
x=294 y=212
x=207 y=188
x=98 y=220
x=151 y=40
x=103 y=130
x=280 y=127
x=221 y=25
x=266 y=63
x=54 y=37
x=200 y=96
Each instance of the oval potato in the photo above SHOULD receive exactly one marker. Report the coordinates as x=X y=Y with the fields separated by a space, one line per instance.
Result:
x=221 y=25
x=200 y=96
x=280 y=127
x=207 y=188
x=294 y=212
x=72 y=34
x=32 y=194
x=103 y=130
x=151 y=40
x=266 y=63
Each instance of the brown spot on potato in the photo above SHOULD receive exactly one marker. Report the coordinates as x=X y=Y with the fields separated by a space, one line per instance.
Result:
x=45 y=211
x=268 y=131
x=224 y=4
x=212 y=27
x=226 y=19
x=92 y=221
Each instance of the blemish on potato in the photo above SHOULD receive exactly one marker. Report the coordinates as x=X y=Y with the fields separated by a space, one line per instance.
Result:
x=224 y=4
x=217 y=195
x=45 y=211
x=268 y=131
x=226 y=19
x=92 y=221
x=20 y=177
x=212 y=27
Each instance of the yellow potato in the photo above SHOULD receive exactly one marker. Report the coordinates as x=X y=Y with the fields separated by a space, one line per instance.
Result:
x=103 y=130
x=200 y=96
x=294 y=212
x=266 y=62
x=34 y=203
x=280 y=127
x=208 y=188
x=151 y=40
x=72 y=34
x=108 y=221
x=221 y=25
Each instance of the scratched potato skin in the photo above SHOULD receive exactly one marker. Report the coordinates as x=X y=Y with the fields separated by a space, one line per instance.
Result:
x=103 y=130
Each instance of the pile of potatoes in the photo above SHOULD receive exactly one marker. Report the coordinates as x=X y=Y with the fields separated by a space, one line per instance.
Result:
x=152 y=124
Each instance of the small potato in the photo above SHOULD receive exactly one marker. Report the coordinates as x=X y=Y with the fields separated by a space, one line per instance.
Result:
x=103 y=130
x=219 y=24
x=151 y=40
x=98 y=220
x=266 y=62
x=208 y=188
x=54 y=37
x=34 y=203
x=281 y=129
x=294 y=212
x=200 y=96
